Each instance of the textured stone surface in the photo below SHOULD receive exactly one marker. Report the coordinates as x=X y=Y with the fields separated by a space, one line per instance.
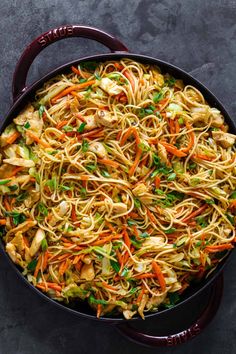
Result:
x=198 y=36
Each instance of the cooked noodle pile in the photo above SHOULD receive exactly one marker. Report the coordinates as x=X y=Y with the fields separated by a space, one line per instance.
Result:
x=117 y=186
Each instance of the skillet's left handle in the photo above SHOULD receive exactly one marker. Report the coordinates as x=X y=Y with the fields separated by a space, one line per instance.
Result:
x=54 y=35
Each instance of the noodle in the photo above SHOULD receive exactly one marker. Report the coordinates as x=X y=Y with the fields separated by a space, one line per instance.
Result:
x=117 y=186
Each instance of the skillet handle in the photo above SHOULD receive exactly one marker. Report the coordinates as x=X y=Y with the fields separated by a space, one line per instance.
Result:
x=178 y=338
x=54 y=35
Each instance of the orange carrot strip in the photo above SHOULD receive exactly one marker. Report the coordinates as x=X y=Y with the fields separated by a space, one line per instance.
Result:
x=45 y=260
x=109 y=162
x=151 y=216
x=126 y=239
x=26 y=242
x=15 y=171
x=110 y=226
x=72 y=88
x=172 y=126
x=140 y=296
x=195 y=213
x=53 y=286
x=130 y=77
x=38 y=140
x=73 y=214
x=145 y=275
x=3 y=221
x=135 y=230
x=219 y=248
x=38 y=265
x=80 y=72
x=120 y=259
x=203 y=157
x=61 y=124
x=99 y=310
x=133 y=215
x=91 y=133
x=108 y=286
x=106 y=239
x=172 y=149
x=12 y=138
x=126 y=135
x=157 y=270
x=136 y=162
x=191 y=138
x=6 y=204
x=177 y=127
x=157 y=182
x=136 y=135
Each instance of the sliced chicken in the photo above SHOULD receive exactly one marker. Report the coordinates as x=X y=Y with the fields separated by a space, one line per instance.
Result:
x=98 y=149
x=105 y=118
x=110 y=86
x=11 y=129
x=87 y=272
x=36 y=243
x=19 y=162
x=140 y=189
x=224 y=139
x=119 y=208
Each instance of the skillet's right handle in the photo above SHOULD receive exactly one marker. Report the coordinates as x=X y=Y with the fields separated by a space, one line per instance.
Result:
x=174 y=339
x=54 y=35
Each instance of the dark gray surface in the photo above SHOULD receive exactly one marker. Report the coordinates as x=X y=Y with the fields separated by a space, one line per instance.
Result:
x=198 y=36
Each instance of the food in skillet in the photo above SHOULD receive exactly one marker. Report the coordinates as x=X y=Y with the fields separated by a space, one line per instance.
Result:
x=117 y=187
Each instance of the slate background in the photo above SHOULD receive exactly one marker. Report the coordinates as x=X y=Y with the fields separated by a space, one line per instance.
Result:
x=196 y=35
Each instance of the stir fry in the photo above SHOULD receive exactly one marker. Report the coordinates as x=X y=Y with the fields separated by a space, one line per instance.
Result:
x=117 y=187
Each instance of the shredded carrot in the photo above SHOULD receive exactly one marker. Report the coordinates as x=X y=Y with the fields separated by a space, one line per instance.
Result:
x=108 y=162
x=177 y=127
x=145 y=275
x=219 y=248
x=150 y=215
x=130 y=77
x=195 y=213
x=172 y=149
x=135 y=230
x=172 y=126
x=3 y=221
x=120 y=259
x=26 y=242
x=6 y=204
x=133 y=215
x=61 y=124
x=53 y=286
x=203 y=157
x=118 y=66
x=136 y=135
x=191 y=138
x=38 y=140
x=126 y=135
x=45 y=260
x=12 y=138
x=72 y=88
x=157 y=270
x=126 y=238
x=80 y=72
x=99 y=310
x=106 y=239
x=91 y=133
x=73 y=213
x=140 y=296
x=64 y=266
x=108 y=286
x=157 y=182
x=110 y=226
x=136 y=162
x=118 y=135
x=38 y=266
x=15 y=171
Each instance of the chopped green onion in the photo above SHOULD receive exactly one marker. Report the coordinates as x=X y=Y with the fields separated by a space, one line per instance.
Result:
x=32 y=265
x=157 y=97
x=85 y=145
x=105 y=174
x=68 y=128
x=171 y=177
x=27 y=125
x=4 y=181
x=44 y=245
x=81 y=127
x=41 y=110
x=115 y=266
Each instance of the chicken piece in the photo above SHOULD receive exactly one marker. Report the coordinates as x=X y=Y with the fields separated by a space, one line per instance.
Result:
x=6 y=170
x=128 y=314
x=142 y=305
x=19 y=162
x=200 y=114
x=36 y=243
x=119 y=208
x=10 y=129
x=98 y=149
x=90 y=123
x=87 y=259
x=23 y=227
x=217 y=118
x=15 y=257
x=110 y=86
x=224 y=139
x=24 y=115
x=87 y=272
x=104 y=118
x=162 y=153
x=31 y=199
x=36 y=127
x=140 y=189
x=19 y=242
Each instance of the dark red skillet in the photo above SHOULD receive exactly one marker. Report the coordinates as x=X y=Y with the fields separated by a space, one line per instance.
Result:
x=21 y=95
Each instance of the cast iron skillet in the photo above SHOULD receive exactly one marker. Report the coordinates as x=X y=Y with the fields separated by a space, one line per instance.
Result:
x=22 y=94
